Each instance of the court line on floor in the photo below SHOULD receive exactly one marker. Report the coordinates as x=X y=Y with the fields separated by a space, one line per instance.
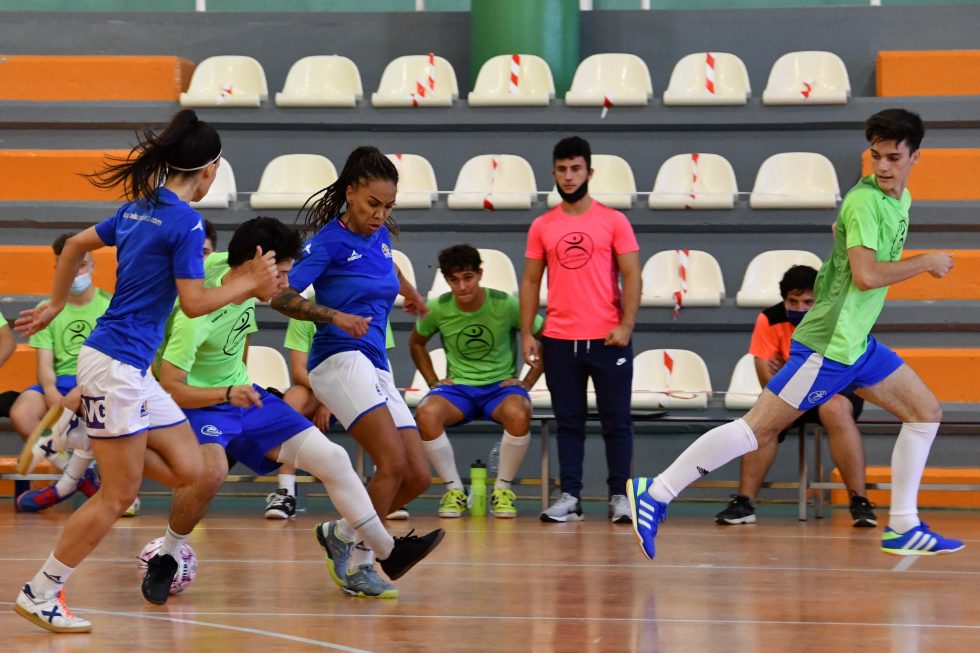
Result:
x=903 y=565
x=208 y=624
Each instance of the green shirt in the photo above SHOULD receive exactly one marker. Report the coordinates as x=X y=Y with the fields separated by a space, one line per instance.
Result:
x=481 y=347
x=211 y=348
x=66 y=333
x=842 y=315
x=299 y=335
x=3 y=321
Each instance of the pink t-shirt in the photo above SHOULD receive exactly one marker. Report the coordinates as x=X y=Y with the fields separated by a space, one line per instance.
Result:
x=584 y=299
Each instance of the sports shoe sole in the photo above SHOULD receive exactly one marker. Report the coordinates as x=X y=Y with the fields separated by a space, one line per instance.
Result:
x=504 y=515
x=622 y=519
x=26 y=454
x=387 y=594
x=735 y=521
x=36 y=620
x=276 y=514
x=450 y=515
x=561 y=520
x=913 y=552
x=864 y=523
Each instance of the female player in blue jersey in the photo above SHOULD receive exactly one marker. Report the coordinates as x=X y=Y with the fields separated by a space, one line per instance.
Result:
x=349 y=262
x=131 y=421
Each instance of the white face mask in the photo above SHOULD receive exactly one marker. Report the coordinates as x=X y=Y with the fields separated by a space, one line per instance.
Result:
x=81 y=283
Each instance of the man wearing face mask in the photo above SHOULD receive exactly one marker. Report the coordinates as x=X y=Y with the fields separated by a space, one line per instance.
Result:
x=770 y=346
x=57 y=347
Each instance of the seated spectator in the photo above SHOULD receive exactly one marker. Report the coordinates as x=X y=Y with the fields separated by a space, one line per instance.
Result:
x=478 y=327
x=7 y=347
x=770 y=347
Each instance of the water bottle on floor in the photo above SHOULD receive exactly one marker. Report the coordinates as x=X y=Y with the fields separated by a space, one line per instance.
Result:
x=493 y=461
x=478 y=489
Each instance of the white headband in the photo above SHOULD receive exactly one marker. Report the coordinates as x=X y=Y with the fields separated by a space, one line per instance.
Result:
x=198 y=167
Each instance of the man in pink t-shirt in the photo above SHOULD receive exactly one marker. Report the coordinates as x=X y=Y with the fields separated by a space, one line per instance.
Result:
x=586 y=247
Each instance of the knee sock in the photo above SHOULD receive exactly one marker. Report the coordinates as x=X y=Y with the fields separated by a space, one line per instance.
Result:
x=706 y=454
x=512 y=451
x=288 y=482
x=908 y=462
x=171 y=542
x=68 y=483
x=51 y=578
x=360 y=555
x=440 y=453
x=313 y=452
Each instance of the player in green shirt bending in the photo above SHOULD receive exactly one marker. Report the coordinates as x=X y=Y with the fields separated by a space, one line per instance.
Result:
x=833 y=351
x=478 y=327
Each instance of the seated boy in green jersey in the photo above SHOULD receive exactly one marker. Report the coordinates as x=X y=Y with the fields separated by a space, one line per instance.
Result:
x=478 y=327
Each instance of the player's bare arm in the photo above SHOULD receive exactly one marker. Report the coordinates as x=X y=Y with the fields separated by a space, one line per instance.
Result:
x=530 y=303
x=869 y=273
x=290 y=303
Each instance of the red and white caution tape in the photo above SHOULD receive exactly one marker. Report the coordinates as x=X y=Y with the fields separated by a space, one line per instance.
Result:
x=808 y=88
x=487 y=201
x=709 y=73
x=607 y=104
x=695 y=160
x=226 y=91
x=682 y=260
x=515 y=74
x=425 y=84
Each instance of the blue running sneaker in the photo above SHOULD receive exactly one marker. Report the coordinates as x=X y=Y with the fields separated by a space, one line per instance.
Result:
x=336 y=548
x=647 y=513
x=920 y=541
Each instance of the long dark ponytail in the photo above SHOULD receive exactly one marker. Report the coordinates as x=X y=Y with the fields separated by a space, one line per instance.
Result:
x=186 y=145
x=366 y=163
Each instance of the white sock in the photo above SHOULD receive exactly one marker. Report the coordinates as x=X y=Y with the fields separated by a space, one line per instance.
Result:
x=440 y=453
x=345 y=530
x=287 y=482
x=360 y=555
x=79 y=462
x=372 y=532
x=706 y=454
x=908 y=462
x=51 y=578
x=171 y=542
x=328 y=461
x=512 y=451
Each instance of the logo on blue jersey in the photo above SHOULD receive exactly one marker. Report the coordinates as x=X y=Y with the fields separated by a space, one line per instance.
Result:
x=816 y=396
x=199 y=225
x=210 y=430
x=94 y=408
x=354 y=256
x=386 y=250
x=306 y=248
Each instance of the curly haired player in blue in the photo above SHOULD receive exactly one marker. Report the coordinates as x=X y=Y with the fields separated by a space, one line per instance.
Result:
x=832 y=351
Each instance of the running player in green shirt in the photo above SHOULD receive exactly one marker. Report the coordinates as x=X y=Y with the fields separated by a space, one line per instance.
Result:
x=478 y=327
x=833 y=351
x=38 y=408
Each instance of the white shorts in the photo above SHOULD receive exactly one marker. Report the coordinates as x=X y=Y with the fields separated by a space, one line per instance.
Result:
x=350 y=385
x=120 y=400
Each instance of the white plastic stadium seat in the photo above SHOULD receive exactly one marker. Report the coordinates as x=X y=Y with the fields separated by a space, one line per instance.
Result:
x=498 y=273
x=267 y=367
x=689 y=81
x=227 y=81
x=289 y=180
x=419 y=388
x=809 y=77
x=408 y=271
x=321 y=81
x=398 y=83
x=417 y=188
x=509 y=185
x=795 y=180
x=661 y=279
x=623 y=78
x=223 y=191
x=612 y=184
x=760 y=286
x=744 y=388
x=694 y=181
x=535 y=86
x=654 y=386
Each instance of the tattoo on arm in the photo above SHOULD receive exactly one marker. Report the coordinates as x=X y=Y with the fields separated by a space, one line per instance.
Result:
x=292 y=304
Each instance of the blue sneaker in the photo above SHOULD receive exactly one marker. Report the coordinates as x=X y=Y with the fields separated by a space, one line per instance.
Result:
x=920 y=541
x=647 y=513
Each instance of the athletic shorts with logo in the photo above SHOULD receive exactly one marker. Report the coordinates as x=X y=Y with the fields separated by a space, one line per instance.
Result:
x=476 y=402
x=248 y=434
x=350 y=386
x=120 y=400
x=808 y=379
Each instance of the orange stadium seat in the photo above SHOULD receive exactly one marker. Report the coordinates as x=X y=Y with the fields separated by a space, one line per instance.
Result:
x=20 y=370
x=29 y=269
x=905 y=73
x=89 y=78
x=54 y=175
x=950 y=373
x=962 y=282
x=940 y=174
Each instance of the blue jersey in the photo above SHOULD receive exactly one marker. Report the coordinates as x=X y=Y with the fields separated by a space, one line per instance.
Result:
x=353 y=274
x=155 y=244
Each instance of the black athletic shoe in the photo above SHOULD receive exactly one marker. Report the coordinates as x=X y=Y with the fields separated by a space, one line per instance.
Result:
x=160 y=572
x=739 y=511
x=280 y=505
x=862 y=512
x=409 y=551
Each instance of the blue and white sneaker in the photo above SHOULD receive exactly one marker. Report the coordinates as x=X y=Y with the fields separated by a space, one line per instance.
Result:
x=647 y=513
x=919 y=541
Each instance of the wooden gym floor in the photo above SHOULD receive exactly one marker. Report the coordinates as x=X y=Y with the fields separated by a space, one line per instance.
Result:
x=779 y=585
